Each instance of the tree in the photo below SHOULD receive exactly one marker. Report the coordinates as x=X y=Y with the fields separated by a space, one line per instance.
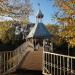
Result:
x=15 y=8
x=3 y=35
x=68 y=6
x=11 y=35
x=24 y=22
x=68 y=33
x=53 y=29
x=6 y=32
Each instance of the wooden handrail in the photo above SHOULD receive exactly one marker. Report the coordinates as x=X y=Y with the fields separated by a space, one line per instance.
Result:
x=60 y=55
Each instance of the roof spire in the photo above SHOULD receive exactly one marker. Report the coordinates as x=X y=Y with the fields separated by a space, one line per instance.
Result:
x=39 y=15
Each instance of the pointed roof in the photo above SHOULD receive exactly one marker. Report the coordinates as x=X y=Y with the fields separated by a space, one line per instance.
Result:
x=39 y=31
x=39 y=15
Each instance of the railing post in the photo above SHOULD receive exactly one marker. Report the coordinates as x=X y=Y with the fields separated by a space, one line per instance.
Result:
x=71 y=66
x=60 y=65
x=4 y=62
x=57 y=65
x=67 y=65
x=64 y=65
x=51 y=64
x=18 y=56
x=7 y=60
x=43 y=57
x=0 y=63
x=48 y=63
x=54 y=64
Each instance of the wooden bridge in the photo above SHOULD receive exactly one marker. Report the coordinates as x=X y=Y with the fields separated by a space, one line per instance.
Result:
x=24 y=57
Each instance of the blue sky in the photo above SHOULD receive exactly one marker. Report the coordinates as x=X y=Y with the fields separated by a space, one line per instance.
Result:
x=47 y=9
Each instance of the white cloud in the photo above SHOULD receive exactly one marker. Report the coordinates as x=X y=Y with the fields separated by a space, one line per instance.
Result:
x=5 y=18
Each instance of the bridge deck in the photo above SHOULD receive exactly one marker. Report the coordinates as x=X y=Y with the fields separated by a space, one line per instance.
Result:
x=33 y=61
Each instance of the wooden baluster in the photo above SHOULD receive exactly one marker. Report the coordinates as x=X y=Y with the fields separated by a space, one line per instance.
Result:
x=0 y=63
x=57 y=65
x=4 y=62
x=43 y=57
x=18 y=57
x=51 y=64
x=15 y=54
x=11 y=55
x=54 y=64
x=7 y=60
x=60 y=65
x=44 y=62
x=19 y=54
x=67 y=65
x=48 y=63
x=21 y=51
x=71 y=66
x=16 y=62
x=64 y=64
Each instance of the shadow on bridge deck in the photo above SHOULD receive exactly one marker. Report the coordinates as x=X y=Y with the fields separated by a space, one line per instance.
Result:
x=27 y=72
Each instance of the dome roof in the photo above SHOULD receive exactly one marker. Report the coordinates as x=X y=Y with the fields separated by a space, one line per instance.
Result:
x=39 y=15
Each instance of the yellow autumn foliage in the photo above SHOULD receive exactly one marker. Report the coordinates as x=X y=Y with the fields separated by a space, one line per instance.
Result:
x=67 y=5
x=68 y=35
x=4 y=27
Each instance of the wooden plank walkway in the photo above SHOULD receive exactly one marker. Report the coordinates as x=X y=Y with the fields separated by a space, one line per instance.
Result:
x=33 y=61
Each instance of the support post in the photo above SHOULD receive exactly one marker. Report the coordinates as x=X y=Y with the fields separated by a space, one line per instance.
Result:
x=51 y=46
x=33 y=43
x=43 y=56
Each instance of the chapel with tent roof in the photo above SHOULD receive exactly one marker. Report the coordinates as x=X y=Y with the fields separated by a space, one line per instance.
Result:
x=39 y=32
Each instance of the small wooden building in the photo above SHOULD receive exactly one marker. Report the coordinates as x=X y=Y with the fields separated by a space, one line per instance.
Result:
x=39 y=33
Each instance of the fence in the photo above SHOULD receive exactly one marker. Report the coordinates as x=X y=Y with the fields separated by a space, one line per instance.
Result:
x=57 y=64
x=10 y=60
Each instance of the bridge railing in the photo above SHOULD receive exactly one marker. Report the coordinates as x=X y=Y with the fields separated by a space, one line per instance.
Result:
x=58 y=64
x=11 y=59
x=5 y=56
